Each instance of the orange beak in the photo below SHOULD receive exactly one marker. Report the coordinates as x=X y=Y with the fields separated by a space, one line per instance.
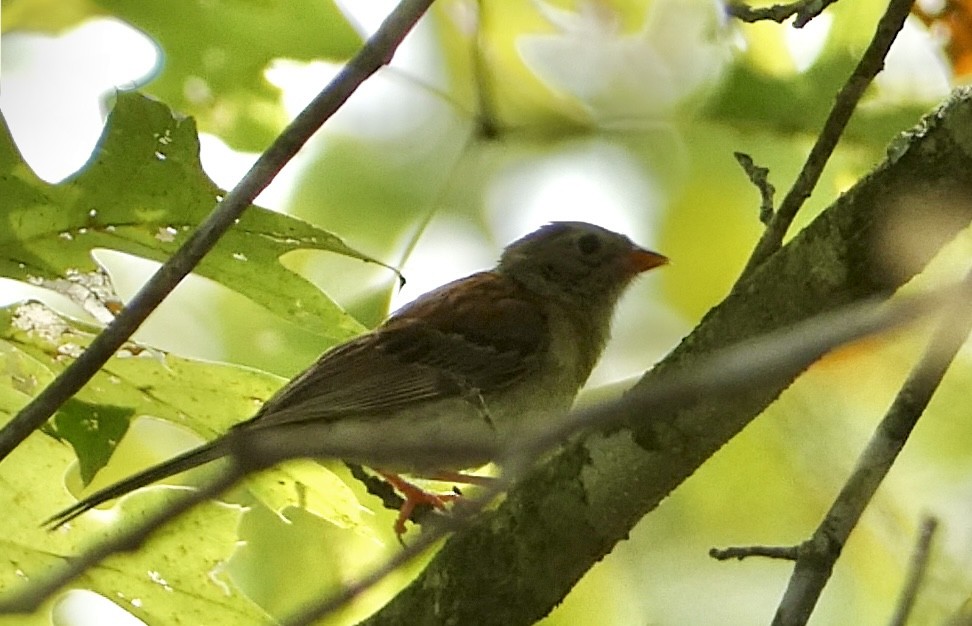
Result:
x=641 y=260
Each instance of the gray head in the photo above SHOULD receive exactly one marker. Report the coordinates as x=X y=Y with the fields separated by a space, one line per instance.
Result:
x=572 y=260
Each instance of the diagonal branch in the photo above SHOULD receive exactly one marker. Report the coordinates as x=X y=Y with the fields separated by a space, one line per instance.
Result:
x=569 y=513
x=872 y=62
x=719 y=375
x=376 y=52
x=819 y=554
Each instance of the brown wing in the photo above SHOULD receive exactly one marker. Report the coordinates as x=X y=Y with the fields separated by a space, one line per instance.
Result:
x=472 y=334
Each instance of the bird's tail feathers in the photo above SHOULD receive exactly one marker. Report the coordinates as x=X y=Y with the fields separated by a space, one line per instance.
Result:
x=186 y=461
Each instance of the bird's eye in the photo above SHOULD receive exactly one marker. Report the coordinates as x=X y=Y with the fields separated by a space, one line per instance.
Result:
x=589 y=243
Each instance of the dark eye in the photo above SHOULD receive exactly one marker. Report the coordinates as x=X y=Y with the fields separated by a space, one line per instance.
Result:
x=589 y=243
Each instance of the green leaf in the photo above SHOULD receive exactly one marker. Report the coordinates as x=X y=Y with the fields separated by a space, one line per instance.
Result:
x=179 y=575
x=180 y=572
x=320 y=492
x=175 y=556
x=94 y=439
x=175 y=577
x=206 y=398
x=142 y=192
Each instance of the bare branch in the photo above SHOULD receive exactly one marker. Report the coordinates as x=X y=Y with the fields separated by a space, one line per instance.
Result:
x=786 y=553
x=759 y=176
x=804 y=10
x=813 y=568
x=916 y=572
x=377 y=51
x=872 y=61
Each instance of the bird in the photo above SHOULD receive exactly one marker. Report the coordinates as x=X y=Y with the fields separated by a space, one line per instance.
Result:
x=500 y=347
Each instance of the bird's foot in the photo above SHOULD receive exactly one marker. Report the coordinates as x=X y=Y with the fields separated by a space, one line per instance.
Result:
x=414 y=496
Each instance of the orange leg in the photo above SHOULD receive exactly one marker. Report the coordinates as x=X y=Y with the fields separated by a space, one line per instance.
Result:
x=414 y=496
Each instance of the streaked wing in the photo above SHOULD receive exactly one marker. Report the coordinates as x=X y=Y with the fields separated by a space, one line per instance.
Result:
x=450 y=342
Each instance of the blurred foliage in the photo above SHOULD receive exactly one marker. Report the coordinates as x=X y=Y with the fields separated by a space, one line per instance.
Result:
x=954 y=17
x=493 y=117
x=214 y=52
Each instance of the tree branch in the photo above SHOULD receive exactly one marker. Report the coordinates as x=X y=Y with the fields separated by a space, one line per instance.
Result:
x=718 y=375
x=567 y=514
x=820 y=553
x=804 y=10
x=872 y=62
x=916 y=572
x=786 y=553
x=377 y=51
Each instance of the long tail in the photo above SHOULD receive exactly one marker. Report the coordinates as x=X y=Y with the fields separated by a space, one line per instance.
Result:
x=176 y=465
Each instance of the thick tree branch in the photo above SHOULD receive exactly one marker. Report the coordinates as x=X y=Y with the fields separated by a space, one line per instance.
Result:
x=718 y=375
x=377 y=51
x=571 y=511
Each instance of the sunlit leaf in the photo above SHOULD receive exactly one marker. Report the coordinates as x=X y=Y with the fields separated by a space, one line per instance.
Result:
x=205 y=398
x=35 y=344
x=142 y=193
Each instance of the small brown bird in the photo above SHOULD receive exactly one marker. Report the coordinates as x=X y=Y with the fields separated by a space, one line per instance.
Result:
x=503 y=346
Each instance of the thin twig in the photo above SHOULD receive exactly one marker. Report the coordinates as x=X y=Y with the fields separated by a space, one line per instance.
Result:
x=488 y=125
x=377 y=51
x=816 y=562
x=759 y=176
x=786 y=553
x=804 y=10
x=916 y=572
x=872 y=61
